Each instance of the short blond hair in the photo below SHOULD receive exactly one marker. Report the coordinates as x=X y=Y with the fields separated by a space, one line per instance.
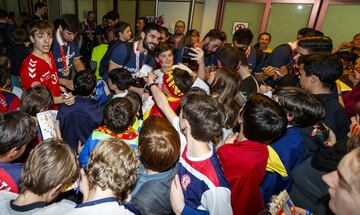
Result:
x=354 y=166
x=112 y=165
x=50 y=164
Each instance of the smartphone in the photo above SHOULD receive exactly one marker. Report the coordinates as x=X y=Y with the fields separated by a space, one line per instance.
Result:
x=186 y=53
x=240 y=98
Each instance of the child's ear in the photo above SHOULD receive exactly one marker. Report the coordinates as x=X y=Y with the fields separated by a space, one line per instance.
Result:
x=314 y=78
x=32 y=39
x=157 y=59
x=53 y=193
x=290 y=117
x=12 y=153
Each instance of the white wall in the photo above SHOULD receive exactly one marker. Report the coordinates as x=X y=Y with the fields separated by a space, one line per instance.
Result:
x=204 y=14
x=12 y=6
x=172 y=12
x=209 y=16
x=67 y=6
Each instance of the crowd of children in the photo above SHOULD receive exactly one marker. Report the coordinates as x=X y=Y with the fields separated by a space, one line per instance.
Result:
x=180 y=126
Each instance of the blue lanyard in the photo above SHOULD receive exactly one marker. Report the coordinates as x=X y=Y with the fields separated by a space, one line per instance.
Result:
x=96 y=202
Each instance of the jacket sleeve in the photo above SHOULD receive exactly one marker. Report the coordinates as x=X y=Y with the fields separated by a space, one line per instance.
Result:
x=217 y=201
x=190 y=210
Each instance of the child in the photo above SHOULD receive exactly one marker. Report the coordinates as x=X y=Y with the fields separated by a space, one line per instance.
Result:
x=39 y=67
x=50 y=167
x=244 y=161
x=159 y=147
x=17 y=130
x=110 y=177
x=8 y=100
x=203 y=187
x=302 y=109
x=34 y=101
x=119 y=82
x=80 y=119
x=118 y=118
x=174 y=84
x=318 y=73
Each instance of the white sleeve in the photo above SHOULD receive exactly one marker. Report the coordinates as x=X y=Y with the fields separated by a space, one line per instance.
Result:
x=217 y=201
x=202 y=85
x=176 y=125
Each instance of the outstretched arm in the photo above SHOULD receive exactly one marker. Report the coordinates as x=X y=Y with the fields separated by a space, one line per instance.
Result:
x=160 y=99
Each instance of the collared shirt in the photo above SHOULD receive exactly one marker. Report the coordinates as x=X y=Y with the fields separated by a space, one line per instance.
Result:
x=120 y=95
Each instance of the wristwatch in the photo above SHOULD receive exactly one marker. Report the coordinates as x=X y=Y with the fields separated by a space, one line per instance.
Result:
x=148 y=87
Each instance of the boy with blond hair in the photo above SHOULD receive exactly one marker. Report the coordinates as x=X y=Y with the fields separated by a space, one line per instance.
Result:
x=110 y=177
x=49 y=168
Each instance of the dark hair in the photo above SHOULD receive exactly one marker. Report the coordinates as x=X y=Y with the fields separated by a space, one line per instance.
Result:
x=328 y=68
x=90 y=12
x=204 y=114
x=151 y=26
x=216 y=34
x=144 y=19
x=36 y=99
x=118 y=115
x=316 y=44
x=19 y=35
x=5 y=75
x=120 y=27
x=84 y=83
x=39 y=5
x=348 y=56
x=264 y=120
x=121 y=78
x=3 y=14
x=135 y=101
x=223 y=89
x=183 y=80
x=309 y=32
x=303 y=31
x=16 y=129
x=162 y=47
x=265 y=33
x=301 y=104
x=70 y=22
x=243 y=36
x=230 y=57
x=159 y=144
x=188 y=35
x=113 y=15
x=165 y=30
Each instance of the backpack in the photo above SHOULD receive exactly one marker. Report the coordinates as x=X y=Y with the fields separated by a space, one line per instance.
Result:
x=104 y=63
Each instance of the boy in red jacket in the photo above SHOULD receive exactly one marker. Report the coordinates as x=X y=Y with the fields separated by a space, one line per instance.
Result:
x=244 y=159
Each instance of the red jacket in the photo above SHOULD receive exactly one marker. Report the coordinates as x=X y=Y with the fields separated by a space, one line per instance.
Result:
x=244 y=164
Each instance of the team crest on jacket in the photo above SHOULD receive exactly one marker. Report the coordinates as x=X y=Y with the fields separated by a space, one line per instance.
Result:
x=185 y=181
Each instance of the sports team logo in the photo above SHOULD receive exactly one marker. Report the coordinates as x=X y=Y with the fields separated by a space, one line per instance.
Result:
x=185 y=181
